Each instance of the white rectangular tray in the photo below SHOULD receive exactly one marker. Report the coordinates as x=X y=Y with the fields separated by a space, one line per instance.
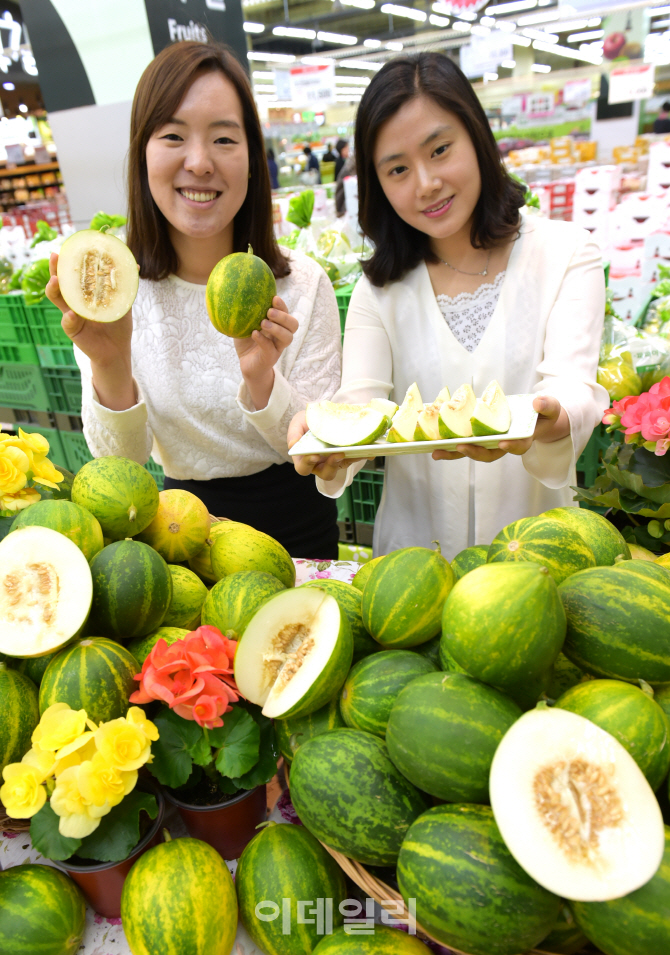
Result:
x=522 y=426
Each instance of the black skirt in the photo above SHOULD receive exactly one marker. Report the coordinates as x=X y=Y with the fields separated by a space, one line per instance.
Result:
x=279 y=502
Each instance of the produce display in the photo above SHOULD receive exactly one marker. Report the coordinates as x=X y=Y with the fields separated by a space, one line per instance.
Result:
x=98 y=275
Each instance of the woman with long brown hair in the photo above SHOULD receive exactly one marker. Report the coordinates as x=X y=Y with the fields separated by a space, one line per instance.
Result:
x=214 y=411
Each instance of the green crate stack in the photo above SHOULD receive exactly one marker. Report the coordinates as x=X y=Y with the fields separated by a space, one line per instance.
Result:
x=63 y=387
x=53 y=435
x=78 y=454
x=366 y=493
x=54 y=348
x=343 y=296
x=16 y=343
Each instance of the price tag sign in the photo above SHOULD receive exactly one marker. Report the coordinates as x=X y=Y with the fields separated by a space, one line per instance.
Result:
x=631 y=82
x=313 y=85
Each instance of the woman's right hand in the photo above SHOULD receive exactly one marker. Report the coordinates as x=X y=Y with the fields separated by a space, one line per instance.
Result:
x=324 y=466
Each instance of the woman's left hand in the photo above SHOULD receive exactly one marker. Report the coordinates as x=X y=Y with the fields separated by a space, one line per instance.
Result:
x=259 y=354
x=552 y=424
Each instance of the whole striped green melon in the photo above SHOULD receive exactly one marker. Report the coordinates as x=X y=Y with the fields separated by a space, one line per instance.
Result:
x=188 y=596
x=95 y=675
x=201 y=564
x=287 y=864
x=349 y=794
x=42 y=912
x=296 y=730
x=67 y=518
x=431 y=650
x=606 y=542
x=470 y=893
x=638 y=923
x=618 y=621
x=404 y=596
x=180 y=526
x=240 y=547
x=564 y=674
x=630 y=715
x=566 y=937
x=384 y=941
x=132 y=590
x=239 y=293
x=179 y=899
x=349 y=599
x=361 y=576
x=551 y=544
x=19 y=715
x=443 y=731
x=373 y=684
x=468 y=559
x=233 y=600
x=662 y=697
x=119 y=492
x=505 y=625
x=141 y=647
x=33 y=667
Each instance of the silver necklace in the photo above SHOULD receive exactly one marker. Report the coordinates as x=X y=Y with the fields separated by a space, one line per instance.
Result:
x=485 y=270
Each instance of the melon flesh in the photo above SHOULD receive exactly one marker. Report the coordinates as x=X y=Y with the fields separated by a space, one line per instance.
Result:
x=404 y=421
x=455 y=414
x=345 y=425
x=491 y=413
x=45 y=591
x=427 y=425
x=574 y=808
x=386 y=406
x=98 y=275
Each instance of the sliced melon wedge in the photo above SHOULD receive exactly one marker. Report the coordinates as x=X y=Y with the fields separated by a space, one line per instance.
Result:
x=98 y=275
x=404 y=421
x=296 y=653
x=45 y=591
x=455 y=414
x=427 y=425
x=345 y=425
x=491 y=414
x=388 y=407
x=574 y=807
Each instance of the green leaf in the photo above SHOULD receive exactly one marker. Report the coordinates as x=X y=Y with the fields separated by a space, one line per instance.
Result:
x=201 y=750
x=300 y=209
x=226 y=785
x=119 y=831
x=102 y=222
x=44 y=233
x=633 y=481
x=34 y=281
x=172 y=762
x=239 y=739
x=46 y=838
x=266 y=766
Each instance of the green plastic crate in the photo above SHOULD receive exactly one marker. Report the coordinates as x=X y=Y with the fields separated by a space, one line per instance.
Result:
x=56 y=450
x=63 y=386
x=343 y=296
x=22 y=386
x=78 y=454
x=16 y=343
x=366 y=492
x=54 y=348
x=589 y=460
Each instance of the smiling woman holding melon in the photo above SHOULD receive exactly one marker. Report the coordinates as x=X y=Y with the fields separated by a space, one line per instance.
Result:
x=463 y=288
x=212 y=409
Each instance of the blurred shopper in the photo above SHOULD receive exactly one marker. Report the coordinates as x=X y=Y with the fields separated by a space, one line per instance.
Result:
x=312 y=164
x=662 y=121
x=347 y=169
x=342 y=147
x=272 y=169
x=329 y=155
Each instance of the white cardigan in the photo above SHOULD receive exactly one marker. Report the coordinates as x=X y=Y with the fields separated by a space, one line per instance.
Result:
x=543 y=337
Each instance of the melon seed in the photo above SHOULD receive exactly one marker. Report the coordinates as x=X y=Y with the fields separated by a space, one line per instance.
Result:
x=290 y=647
x=30 y=595
x=98 y=278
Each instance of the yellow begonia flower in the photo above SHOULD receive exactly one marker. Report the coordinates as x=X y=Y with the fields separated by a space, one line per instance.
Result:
x=45 y=473
x=101 y=784
x=123 y=744
x=23 y=793
x=137 y=717
x=59 y=726
x=42 y=761
x=37 y=443
x=78 y=817
x=12 y=478
x=23 y=498
x=76 y=752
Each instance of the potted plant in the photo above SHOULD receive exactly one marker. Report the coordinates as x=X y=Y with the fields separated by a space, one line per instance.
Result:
x=27 y=475
x=215 y=771
x=78 y=785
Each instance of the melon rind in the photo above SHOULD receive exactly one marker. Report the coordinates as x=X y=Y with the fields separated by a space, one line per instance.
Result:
x=404 y=421
x=455 y=414
x=116 y=302
x=491 y=414
x=342 y=425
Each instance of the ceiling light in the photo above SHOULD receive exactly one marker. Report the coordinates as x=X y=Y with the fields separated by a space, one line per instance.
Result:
x=359 y=65
x=467 y=15
x=353 y=80
x=589 y=35
x=8 y=86
x=296 y=32
x=657 y=11
x=349 y=91
x=520 y=40
x=394 y=45
x=396 y=10
x=265 y=89
x=442 y=8
x=511 y=7
x=263 y=75
x=566 y=51
x=23 y=108
x=461 y=26
x=540 y=68
x=361 y=4
x=271 y=57
x=372 y=44
x=479 y=30
x=488 y=21
x=490 y=77
x=508 y=64
x=507 y=26
x=539 y=17
x=317 y=60
x=343 y=39
x=540 y=35
x=438 y=21
x=253 y=27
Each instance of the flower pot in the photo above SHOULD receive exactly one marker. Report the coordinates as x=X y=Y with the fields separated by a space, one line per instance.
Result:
x=102 y=882
x=226 y=826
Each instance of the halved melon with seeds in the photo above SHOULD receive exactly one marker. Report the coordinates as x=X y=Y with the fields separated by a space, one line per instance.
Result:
x=296 y=653
x=455 y=414
x=574 y=807
x=45 y=591
x=345 y=425
x=491 y=414
x=98 y=275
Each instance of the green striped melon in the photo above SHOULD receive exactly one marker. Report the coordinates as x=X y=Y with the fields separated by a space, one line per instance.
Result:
x=447 y=662
x=618 y=621
x=42 y=912
x=468 y=559
x=132 y=590
x=119 y=492
x=19 y=715
x=180 y=526
x=373 y=684
x=233 y=600
x=141 y=647
x=505 y=625
x=565 y=938
x=349 y=794
x=443 y=731
x=349 y=599
x=470 y=893
x=287 y=864
x=606 y=542
x=201 y=564
x=384 y=941
x=638 y=923
x=67 y=518
x=552 y=544
x=431 y=650
x=361 y=576
x=239 y=293
x=188 y=596
x=662 y=697
x=179 y=899
x=564 y=675
x=630 y=715
x=241 y=547
x=33 y=667
x=296 y=730
x=404 y=596
x=95 y=675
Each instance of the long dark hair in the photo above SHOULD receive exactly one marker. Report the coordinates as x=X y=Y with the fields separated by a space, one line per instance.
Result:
x=399 y=246
x=159 y=92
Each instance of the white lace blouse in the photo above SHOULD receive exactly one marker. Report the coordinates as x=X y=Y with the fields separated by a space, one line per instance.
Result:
x=469 y=313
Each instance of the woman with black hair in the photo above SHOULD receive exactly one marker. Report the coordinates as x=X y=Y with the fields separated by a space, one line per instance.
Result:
x=463 y=288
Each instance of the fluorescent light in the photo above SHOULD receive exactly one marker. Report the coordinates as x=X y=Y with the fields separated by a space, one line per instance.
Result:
x=263 y=75
x=657 y=11
x=593 y=48
x=567 y=26
x=372 y=44
x=511 y=7
x=353 y=80
x=541 y=35
x=467 y=15
x=394 y=45
x=440 y=7
x=589 y=35
x=568 y=52
x=317 y=60
x=296 y=32
x=253 y=27
x=507 y=26
x=540 y=68
x=490 y=77
x=349 y=91
x=359 y=65
x=396 y=10
x=342 y=38
x=265 y=89
x=539 y=17
x=438 y=21
x=520 y=40
x=488 y=21
x=361 y=4
x=271 y=57
x=508 y=64
x=461 y=26
x=8 y=86
x=23 y=108
x=479 y=30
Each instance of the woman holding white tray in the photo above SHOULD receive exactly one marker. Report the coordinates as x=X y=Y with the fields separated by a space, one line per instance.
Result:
x=463 y=288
